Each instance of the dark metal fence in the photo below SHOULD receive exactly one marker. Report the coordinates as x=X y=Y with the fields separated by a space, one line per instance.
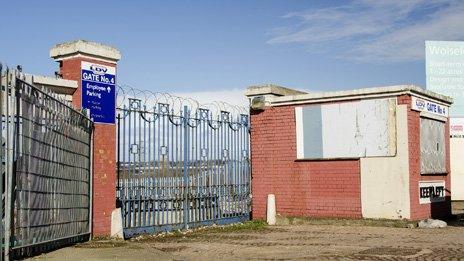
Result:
x=180 y=165
x=45 y=169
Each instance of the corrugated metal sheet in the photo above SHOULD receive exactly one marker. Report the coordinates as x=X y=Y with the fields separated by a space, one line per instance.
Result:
x=364 y=128
x=432 y=142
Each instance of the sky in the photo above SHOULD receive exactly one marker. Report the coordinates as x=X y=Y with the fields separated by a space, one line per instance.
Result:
x=215 y=49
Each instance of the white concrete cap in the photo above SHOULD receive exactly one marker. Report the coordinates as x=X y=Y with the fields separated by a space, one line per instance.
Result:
x=85 y=48
x=271 y=89
x=367 y=92
x=57 y=85
x=284 y=96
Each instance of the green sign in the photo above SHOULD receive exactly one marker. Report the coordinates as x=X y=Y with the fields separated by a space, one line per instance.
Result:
x=444 y=66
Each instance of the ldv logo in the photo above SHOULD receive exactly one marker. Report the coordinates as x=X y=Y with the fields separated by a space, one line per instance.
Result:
x=420 y=104
x=97 y=69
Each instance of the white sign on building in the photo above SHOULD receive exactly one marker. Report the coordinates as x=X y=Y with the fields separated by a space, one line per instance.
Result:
x=457 y=127
x=431 y=191
x=434 y=108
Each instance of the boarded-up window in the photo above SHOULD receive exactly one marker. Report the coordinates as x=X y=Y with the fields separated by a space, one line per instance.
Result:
x=357 y=129
x=432 y=145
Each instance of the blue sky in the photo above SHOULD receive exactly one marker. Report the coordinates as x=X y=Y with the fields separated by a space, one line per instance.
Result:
x=205 y=46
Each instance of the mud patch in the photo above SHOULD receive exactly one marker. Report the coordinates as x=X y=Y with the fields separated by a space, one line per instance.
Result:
x=233 y=237
x=391 y=251
x=172 y=248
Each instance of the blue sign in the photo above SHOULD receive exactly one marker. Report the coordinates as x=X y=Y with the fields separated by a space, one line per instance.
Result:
x=99 y=91
x=444 y=62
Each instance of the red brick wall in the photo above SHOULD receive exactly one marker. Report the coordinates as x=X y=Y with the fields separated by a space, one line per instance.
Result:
x=333 y=188
x=302 y=188
x=423 y=211
x=104 y=155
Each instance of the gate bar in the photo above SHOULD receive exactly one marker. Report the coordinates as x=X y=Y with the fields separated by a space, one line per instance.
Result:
x=9 y=169
x=186 y=185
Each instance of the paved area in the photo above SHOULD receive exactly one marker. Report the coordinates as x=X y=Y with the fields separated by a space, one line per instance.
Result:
x=291 y=242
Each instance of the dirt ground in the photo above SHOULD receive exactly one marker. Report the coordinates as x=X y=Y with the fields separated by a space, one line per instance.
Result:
x=320 y=239
x=289 y=242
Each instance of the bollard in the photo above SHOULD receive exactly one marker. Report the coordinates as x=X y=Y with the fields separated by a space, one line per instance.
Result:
x=271 y=210
x=116 y=224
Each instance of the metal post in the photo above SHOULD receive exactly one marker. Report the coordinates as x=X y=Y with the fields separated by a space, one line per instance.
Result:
x=186 y=166
x=9 y=168
x=118 y=160
x=2 y=157
x=90 y=178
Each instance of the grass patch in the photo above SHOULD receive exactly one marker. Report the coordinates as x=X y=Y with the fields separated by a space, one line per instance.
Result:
x=346 y=222
x=182 y=235
x=101 y=244
x=254 y=225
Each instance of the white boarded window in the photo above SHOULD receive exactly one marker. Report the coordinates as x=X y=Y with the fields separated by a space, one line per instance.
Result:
x=432 y=146
x=357 y=129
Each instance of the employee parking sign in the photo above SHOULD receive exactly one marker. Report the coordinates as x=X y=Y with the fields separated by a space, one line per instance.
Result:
x=99 y=91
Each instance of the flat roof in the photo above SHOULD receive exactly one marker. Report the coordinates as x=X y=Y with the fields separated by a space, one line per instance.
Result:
x=57 y=85
x=314 y=97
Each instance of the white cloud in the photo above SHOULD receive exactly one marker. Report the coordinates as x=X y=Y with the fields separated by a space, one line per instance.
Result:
x=375 y=30
x=234 y=97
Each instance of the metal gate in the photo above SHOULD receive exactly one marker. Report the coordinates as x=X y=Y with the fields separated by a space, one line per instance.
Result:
x=45 y=169
x=180 y=165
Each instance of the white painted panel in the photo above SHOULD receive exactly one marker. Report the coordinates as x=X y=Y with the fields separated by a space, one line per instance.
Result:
x=299 y=132
x=457 y=168
x=340 y=130
x=385 y=180
x=376 y=124
x=359 y=129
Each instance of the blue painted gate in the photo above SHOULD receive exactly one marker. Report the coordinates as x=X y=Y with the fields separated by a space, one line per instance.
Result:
x=180 y=165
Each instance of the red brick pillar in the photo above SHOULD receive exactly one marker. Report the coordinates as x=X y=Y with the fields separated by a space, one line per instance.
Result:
x=71 y=57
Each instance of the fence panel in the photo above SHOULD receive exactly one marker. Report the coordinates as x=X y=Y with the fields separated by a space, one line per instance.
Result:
x=47 y=162
x=179 y=165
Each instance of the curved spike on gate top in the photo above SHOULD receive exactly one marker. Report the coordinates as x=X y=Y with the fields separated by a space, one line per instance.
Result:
x=150 y=99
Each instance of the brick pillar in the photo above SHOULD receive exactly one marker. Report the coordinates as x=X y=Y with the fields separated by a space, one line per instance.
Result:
x=70 y=56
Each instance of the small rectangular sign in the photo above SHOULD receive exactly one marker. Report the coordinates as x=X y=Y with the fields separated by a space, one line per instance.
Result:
x=457 y=127
x=431 y=191
x=434 y=108
x=99 y=91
